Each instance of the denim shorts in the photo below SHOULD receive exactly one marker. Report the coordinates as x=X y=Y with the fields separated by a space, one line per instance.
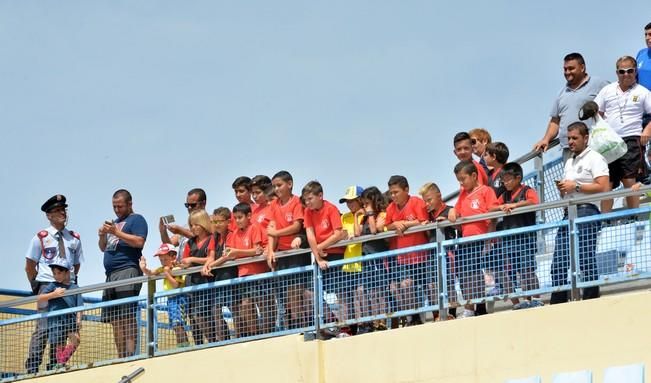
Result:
x=175 y=309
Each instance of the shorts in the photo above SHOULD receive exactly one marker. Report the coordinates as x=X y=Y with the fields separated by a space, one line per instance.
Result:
x=127 y=309
x=468 y=257
x=520 y=251
x=374 y=274
x=419 y=273
x=175 y=309
x=333 y=277
x=200 y=303
x=630 y=165
x=224 y=294
x=293 y=261
x=59 y=327
x=252 y=290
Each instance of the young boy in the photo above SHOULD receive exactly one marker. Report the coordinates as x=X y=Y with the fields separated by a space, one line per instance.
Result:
x=166 y=253
x=352 y=272
x=63 y=330
x=323 y=228
x=403 y=212
x=463 y=151
x=242 y=189
x=245 y=242
x=495 y=156
x=475 y=198
x=286 y=223
x=519 y=249
x=438 y=211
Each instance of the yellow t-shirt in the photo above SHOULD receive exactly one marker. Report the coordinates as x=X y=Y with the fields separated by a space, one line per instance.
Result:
x=180 y=279
x=354 y=250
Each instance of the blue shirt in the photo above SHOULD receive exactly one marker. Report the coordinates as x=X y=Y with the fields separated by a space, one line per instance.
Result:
x=644 y=68
x=118 y=255
x=63 y=302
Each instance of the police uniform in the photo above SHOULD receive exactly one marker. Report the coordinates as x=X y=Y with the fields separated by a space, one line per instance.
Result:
x=45 y=249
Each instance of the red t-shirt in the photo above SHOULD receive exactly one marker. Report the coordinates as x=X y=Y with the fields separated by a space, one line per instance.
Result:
x=232 y=225
x=284 y=216
x=324 y=222
x=211 y=246
x=476 y=202
x=244 y=239
x=530 y=195
x=482 y=177
x=261 y=216
x=414 y=210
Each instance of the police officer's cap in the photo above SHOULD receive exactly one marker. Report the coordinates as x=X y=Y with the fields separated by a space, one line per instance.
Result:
x=54 y=201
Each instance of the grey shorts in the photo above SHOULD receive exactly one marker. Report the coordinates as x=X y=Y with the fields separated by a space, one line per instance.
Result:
x=121 y=311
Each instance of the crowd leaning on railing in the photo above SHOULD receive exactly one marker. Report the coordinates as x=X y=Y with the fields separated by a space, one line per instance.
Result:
x=603 y=130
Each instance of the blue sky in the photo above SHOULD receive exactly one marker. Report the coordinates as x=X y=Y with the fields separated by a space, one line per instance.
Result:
x=162 y=96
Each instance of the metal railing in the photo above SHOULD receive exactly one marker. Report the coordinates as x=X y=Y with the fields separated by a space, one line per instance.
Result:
x=576 y=252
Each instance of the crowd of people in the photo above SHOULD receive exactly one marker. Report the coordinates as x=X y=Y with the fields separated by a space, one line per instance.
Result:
x=270 y=218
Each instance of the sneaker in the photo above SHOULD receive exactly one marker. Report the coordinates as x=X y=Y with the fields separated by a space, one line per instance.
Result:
x=343 y=334
x=466 y=314
x=537 y=303
x=522 y=305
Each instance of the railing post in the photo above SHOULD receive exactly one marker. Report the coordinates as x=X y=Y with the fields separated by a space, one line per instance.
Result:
x=574 y=251
x=540 y=181
x=151 y=318
x=441 y=268
x=318 y=296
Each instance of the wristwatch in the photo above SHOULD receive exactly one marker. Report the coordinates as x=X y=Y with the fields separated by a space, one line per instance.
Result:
x=577 y=188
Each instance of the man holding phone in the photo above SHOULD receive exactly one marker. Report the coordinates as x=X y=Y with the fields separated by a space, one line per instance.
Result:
x=195 y=200
x=122 y=241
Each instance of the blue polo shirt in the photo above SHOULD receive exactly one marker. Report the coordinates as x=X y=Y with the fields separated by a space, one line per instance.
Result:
x=118 y=254
x=644 y=68
x=569 y=102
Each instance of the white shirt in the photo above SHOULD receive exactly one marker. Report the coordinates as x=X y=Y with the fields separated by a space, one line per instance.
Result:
x=584 y=168
x=623 y=110
x=44 y=249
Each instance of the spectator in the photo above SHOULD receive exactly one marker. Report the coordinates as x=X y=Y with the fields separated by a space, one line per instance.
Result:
x=63 y=330
x=410 y=269
x=438 y=211
x=474 y=199
x=352 y=272
x=195 y=200
x=644 y=67
x=463 y=151
x=286 y=223
x=495 y=156
x=579 y=89
x=176 y=304
x=585 y=173
x=242 y=189
x=518 y=250
x=47 y=246
x=479 y=138
x=622 y=104
x=199 y=249
x=122 y=241
x=374 y=273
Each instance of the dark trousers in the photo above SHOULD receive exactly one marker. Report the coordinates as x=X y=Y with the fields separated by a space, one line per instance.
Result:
x=588 y=234
x=38 y=342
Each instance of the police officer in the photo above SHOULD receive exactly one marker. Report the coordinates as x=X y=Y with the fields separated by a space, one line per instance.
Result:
x=46 y=247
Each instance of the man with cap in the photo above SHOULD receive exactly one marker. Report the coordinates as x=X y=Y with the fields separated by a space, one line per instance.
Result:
x=52 y=244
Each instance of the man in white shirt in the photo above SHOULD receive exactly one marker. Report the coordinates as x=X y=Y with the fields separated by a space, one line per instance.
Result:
x=586 y=172
x=623 y=104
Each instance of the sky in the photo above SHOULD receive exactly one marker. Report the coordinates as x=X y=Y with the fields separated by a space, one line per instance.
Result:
x=159 y=97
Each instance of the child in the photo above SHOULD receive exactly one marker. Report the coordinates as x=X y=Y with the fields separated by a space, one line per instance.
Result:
x=63 y=330
x=220 y=219
x=403 y=212
x=166 y=253
x=374 y=273
x=352 y=272
x=242 y=189
x=463 y=151
x=495 y=156
x=474 y=199
x=519 y=249
x=286 y=223
x=323 y=227
x=438 y=211
x=197 y=251
x=480 y=138
x=245 y=242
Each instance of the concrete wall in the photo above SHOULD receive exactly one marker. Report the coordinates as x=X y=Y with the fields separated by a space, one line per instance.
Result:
x=582 y=335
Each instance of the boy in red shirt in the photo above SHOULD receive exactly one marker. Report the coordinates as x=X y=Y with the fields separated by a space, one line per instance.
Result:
x=286 y=223
x=323 y=228
x=463 y=151
x=403 y=212
x=245 y=242
x=242 y=189
x=474 y=199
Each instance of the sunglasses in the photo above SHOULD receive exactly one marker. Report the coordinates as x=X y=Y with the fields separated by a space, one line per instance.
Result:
x=473 y=141
x=218 y=221
x=626 y=71
x=191 y=205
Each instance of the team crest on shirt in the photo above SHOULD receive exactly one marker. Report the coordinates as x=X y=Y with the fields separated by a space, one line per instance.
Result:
x=325 y=224
x=289 y=217
x=474 y=204
x=246 y=243
x=410 y=217
x=49 y=252
x=635 y=98
x=260 y=218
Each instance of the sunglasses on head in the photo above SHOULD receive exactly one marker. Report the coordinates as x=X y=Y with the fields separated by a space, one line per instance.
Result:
x=473 y=141
x=627 y=70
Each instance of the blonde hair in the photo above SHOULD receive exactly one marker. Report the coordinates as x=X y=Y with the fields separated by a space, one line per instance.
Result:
x=481 y=134
x=427 y=187
x=201 y=218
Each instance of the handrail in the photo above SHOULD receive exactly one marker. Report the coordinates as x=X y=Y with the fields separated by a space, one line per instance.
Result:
x=563 y=203
x=520 y=160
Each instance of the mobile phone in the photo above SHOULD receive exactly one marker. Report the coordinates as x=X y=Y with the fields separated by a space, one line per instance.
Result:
x=108 y=222
x=168 y=219
x=558 y=181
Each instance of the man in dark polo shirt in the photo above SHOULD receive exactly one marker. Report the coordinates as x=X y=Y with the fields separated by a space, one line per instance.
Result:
x=122 y=241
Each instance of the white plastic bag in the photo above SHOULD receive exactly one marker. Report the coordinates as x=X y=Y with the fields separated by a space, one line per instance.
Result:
x=605 y=141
